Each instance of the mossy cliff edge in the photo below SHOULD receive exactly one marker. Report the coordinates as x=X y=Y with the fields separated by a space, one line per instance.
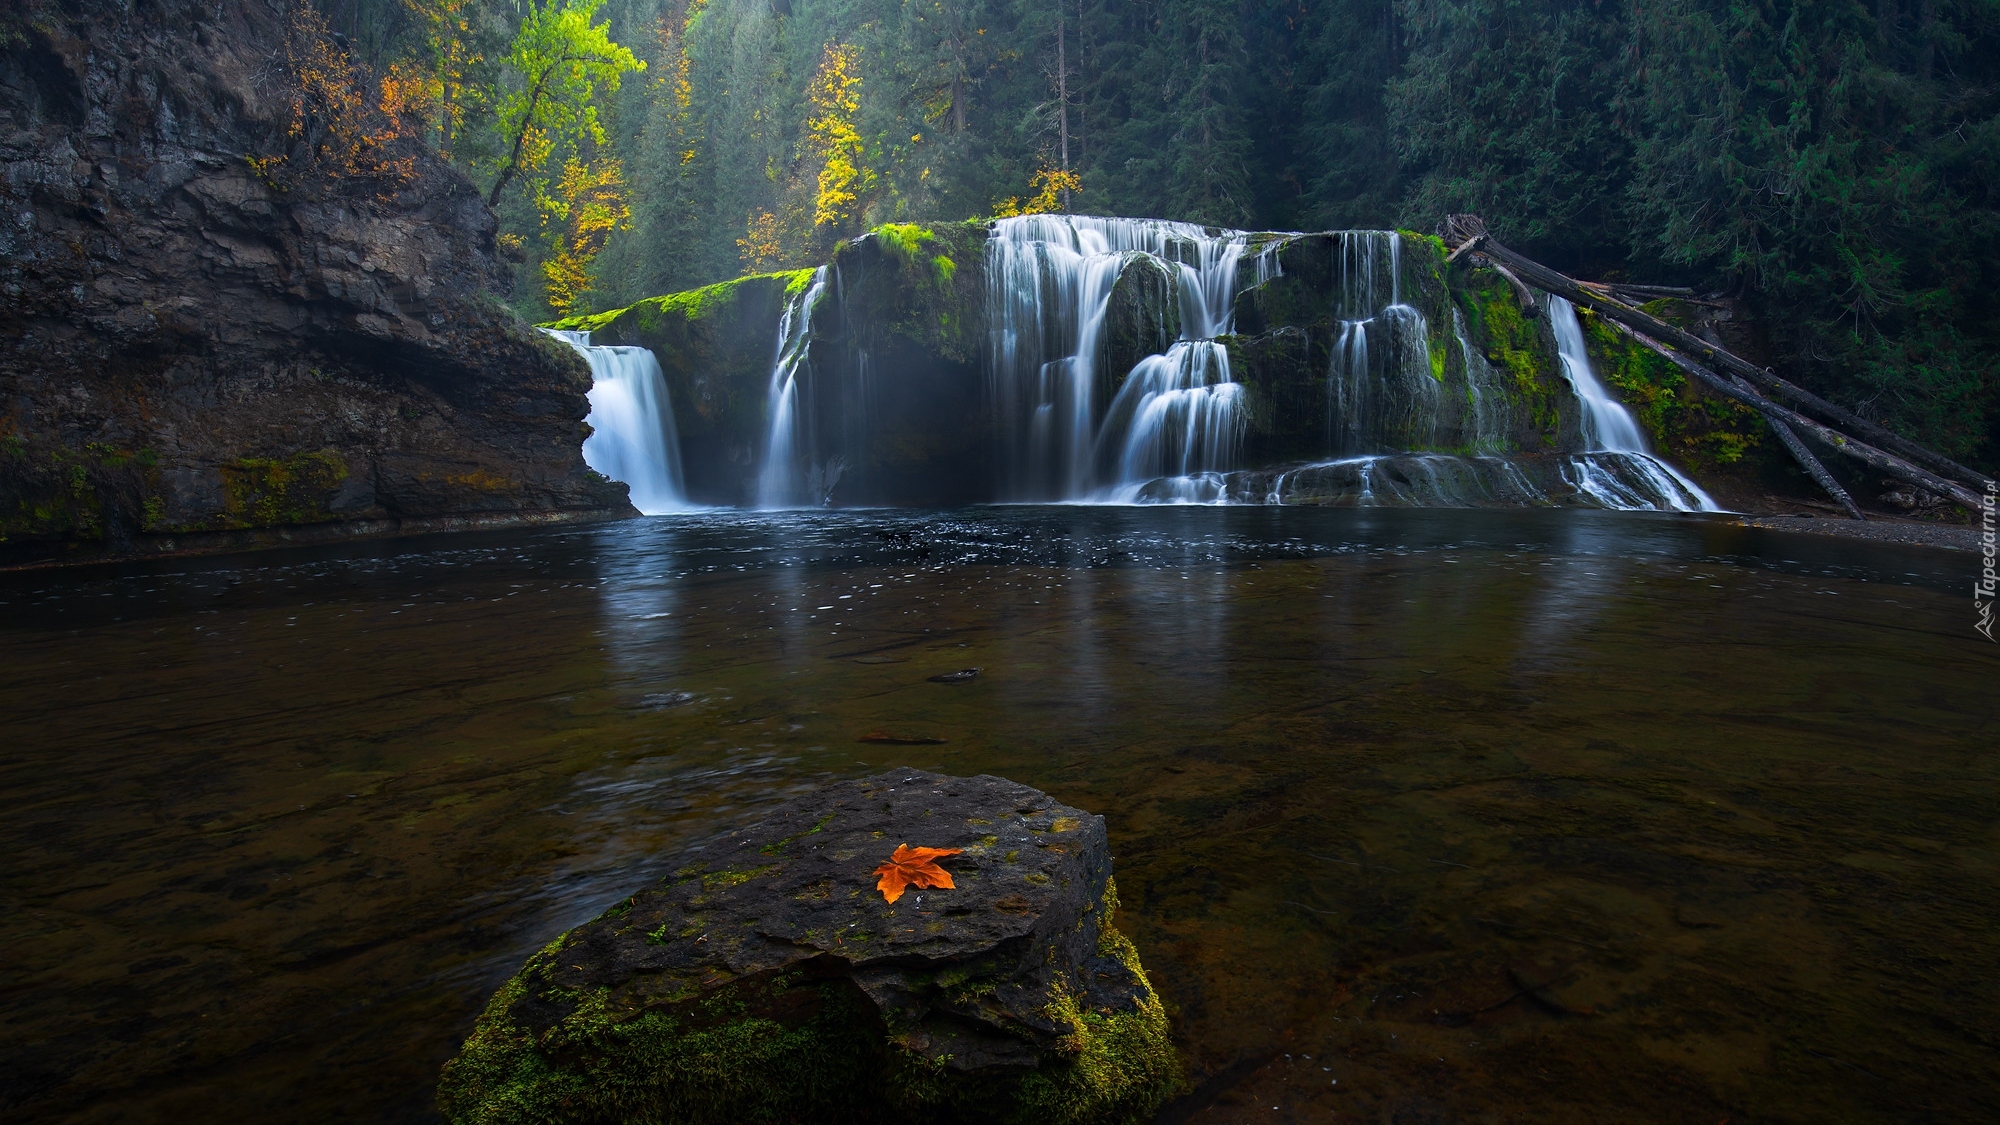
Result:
x=900 y=323
x=767 y=980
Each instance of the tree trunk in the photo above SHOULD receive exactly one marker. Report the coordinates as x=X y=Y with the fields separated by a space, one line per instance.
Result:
x=1806 y=460
x=1062 y=93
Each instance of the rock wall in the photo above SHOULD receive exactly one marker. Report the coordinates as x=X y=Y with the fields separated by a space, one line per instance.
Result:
x=192 y=353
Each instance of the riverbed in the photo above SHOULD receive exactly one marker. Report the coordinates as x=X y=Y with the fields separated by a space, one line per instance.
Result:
x=1417 y=816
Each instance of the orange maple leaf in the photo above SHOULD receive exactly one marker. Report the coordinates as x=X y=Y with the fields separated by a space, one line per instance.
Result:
x=913 y=866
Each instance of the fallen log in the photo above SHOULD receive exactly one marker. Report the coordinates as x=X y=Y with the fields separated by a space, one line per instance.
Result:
x=1831 y=438
x=1804 y=457
x=1459 y=229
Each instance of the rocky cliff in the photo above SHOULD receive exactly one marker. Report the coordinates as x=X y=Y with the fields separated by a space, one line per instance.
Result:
x=197 y=351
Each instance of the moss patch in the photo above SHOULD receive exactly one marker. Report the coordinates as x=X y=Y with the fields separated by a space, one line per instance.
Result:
x=1521 y=347
x=690 y=305
x=50 y=491
x=268 y=492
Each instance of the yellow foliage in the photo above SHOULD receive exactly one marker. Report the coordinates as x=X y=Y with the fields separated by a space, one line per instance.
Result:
x=759 y=248
x=586 y=205
x=436 y=89
x=1050 y=184
x=831 y=137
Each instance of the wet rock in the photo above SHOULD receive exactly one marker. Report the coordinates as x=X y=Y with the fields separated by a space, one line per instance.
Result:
x=767 y=979
x=1142 y=318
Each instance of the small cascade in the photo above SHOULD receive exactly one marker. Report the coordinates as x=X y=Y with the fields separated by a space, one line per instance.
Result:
x=1382 y=392
x=633 y=438
x=1176 y=415
x=786 y=478
x=1616 y=468
x=1050 y=281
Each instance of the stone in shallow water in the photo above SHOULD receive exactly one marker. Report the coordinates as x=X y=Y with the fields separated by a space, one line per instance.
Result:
x=767 y=980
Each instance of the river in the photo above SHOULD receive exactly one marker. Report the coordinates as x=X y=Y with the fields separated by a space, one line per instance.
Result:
x=1417 y=815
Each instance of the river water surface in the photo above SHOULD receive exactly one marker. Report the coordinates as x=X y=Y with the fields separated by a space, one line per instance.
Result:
x=1418 y=816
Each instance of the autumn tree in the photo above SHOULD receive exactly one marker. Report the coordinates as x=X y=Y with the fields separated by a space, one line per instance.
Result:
x=338 y=126
x=562 y=62
x=585 y=205
x=435 y=83
x=832 y=142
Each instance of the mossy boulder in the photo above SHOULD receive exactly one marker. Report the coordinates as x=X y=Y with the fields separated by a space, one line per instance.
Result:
x=767 y=980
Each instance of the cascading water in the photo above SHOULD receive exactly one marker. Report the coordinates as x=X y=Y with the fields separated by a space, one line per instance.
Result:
x=633 y=438
x=1108 y=379
x=1176 y=417
x=783 y=480
x=1382 y=392
x=1612 y=440
x=1051 y=279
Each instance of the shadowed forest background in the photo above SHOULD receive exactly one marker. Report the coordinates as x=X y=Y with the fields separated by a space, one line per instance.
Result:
x=1831 y=163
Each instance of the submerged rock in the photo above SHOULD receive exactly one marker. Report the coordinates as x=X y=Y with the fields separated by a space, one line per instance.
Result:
x=768 y=980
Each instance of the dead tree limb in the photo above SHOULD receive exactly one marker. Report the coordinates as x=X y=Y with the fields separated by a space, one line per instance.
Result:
x=1458 y=229
x=1526 y=296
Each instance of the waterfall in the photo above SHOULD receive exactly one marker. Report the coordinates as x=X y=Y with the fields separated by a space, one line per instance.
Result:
x=785 y=479
x=1050 y=281
x=1382 y=393
x=1176 y=417
x=633 y=438
x=1612 y=440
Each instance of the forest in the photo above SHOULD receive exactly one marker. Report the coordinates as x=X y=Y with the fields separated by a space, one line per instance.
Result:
x=1830 y=164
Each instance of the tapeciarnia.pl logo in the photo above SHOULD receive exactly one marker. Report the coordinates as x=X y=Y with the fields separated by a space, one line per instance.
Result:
x=1984 y=590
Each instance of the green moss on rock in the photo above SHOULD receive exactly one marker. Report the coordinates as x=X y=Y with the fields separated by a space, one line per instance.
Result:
x=786 y=1047
x=746 y=994
x=1703 y=431
x=268 y=492
x=50 y=491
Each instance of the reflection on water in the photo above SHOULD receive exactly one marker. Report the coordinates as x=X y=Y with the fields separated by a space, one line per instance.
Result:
x=1421 y=816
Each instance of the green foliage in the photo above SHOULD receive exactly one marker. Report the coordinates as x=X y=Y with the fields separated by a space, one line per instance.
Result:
x=560 y=61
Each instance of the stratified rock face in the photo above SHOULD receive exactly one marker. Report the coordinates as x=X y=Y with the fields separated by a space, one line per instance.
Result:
x=767 y=979
x=186 y=347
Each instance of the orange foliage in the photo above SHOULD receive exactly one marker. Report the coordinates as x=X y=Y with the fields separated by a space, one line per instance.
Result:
x=913 y=867
x=340 y=126
x=760 y=248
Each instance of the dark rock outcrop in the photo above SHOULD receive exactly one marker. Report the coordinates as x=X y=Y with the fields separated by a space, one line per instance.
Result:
x=191 y=350
x=768 y=979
